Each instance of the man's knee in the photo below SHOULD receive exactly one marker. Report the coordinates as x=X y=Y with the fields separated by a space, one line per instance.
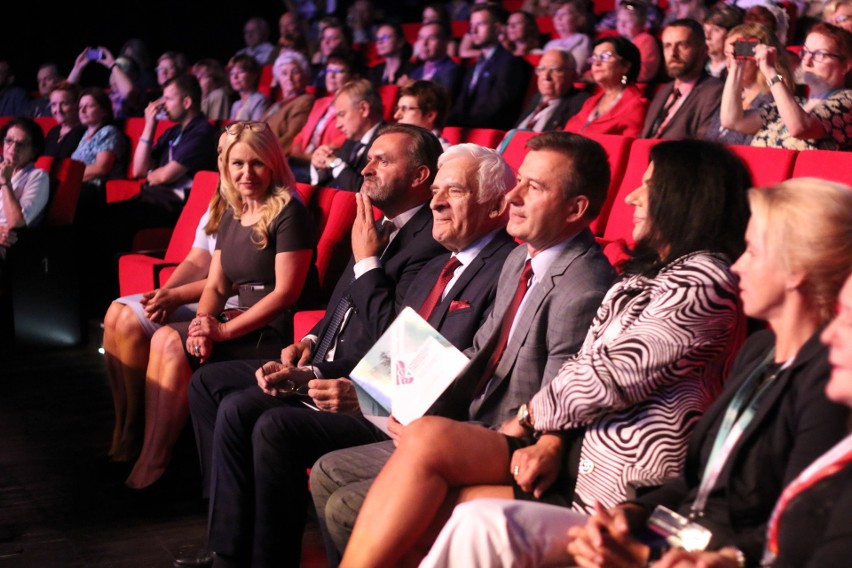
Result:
x=342 y=509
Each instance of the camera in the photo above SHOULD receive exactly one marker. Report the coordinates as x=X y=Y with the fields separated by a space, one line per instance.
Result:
x=744 y=48
x=94 y=54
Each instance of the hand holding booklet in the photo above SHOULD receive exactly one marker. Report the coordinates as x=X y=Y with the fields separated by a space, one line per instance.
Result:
x=406 y=371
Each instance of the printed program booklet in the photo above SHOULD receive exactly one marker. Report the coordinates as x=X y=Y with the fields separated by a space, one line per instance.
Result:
x=406 y=371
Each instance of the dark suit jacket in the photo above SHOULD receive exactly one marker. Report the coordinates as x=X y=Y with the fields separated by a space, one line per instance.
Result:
x=498 y=94
x=794 y=424
x=475 y=289
x=814 y=530
x=378 y=294
x=350 y=177
x=568 y=106
x=551 y=328
x=448 y=74
x=694 y=115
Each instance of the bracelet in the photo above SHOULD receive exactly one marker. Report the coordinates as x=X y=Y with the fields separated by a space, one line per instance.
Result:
x=774 y=80
x=201 y=314
x=144 y=140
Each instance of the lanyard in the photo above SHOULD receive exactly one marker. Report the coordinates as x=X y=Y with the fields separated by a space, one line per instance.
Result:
x=738 y=416
x=830 y=463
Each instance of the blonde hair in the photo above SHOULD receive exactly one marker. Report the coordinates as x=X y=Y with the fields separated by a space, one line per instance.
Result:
x=753 y=30
x=808 y=225
x=260 y=139
x=218 y=205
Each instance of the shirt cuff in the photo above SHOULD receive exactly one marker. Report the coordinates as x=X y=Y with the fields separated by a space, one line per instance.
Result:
x=365 y=265
x=314 y=176
x=336 y=171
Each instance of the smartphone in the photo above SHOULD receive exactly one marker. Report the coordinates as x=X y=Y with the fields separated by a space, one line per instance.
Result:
x=94 y=54
x=744 y=48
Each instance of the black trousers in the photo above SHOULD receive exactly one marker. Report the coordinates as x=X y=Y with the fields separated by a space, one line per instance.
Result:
x=260 y=448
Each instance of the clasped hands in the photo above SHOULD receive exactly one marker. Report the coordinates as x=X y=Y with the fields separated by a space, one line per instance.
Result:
x=204 y=329
x=8 y=236
x=606 y=541
x=158 y=304
x=535 y=467
x=283 y=379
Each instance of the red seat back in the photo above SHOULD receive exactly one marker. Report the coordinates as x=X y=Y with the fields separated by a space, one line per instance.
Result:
x=204 y=184
x=618 y=151
x=334 y=213
x=488 y=137
x=768 y=166
x=389 y=95
x=264 y=84
x=66 y=179
x=826 y=164
x=619 y=225
x=46 y=123
x=133 y=128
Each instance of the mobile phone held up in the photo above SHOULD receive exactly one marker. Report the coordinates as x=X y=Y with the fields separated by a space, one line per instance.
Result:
x=94 y=54
x=744 y=48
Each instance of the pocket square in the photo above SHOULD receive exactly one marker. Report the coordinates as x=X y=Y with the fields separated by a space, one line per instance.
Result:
x=459 y=305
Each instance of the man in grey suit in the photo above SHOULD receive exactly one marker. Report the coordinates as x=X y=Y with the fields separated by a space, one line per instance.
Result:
x=562 y=184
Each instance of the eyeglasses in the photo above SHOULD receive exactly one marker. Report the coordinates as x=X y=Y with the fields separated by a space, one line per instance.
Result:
x=546 y=70
x=602 y=57
x=19 y=143
x=252 y=125
x=841 y=19
x=163 y=69
x=336 y=71
x=385 y=37
x=405 y=108
x=819 y=55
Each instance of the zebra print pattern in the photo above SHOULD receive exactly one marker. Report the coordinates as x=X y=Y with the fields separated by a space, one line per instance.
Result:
x=650 y=365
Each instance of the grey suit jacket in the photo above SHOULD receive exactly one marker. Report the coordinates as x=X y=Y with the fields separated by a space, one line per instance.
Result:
x=694 y=116
x=550 y=330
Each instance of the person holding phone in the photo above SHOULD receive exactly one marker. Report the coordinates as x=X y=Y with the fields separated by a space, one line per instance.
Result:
x=823 y=120
x=125 y=97
x=739 y=46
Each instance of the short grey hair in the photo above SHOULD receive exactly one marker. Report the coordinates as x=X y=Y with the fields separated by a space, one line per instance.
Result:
x=288 y=56
x=494 y=176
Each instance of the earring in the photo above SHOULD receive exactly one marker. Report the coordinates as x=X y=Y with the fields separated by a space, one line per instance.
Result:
x=624 y=79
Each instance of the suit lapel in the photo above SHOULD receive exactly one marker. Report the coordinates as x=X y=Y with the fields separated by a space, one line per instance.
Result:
x=577 y=246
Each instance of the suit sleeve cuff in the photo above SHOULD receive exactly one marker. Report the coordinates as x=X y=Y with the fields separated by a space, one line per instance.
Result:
x=365 y=265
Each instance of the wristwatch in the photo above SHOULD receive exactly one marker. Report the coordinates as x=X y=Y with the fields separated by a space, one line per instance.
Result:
x=335 y=162
x=524 y=418
x=773 y=80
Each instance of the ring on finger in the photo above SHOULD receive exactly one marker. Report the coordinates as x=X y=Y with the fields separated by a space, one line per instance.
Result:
x=516 y=469
x=197 y=350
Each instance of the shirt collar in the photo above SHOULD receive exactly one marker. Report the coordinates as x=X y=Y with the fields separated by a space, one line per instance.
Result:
x=467 y=255
x=542 y=262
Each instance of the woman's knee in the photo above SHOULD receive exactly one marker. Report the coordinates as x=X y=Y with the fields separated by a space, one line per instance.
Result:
x=127 y=325
x=167 y=341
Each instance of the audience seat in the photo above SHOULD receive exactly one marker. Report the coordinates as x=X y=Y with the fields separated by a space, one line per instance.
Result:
x=826 y=164
x=334 y=212
x=121 y=189
x=410 y=31
x=619 y=226
x=141 y=272
x=389 y=95
x=459 y=28
x=617 y=148
x=264 y=84
x=768 y=166
x=488 y=137
x=44 y=279
x=46 y=123
x=4 y=120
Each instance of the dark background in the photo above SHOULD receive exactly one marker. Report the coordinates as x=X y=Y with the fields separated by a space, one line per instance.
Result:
x=33 y=32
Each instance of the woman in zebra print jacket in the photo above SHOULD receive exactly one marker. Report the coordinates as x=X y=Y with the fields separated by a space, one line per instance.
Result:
x=772 y=420
x=622 y=409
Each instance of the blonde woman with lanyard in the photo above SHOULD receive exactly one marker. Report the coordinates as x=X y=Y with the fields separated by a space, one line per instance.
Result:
x=769 y=423
x=773 y=418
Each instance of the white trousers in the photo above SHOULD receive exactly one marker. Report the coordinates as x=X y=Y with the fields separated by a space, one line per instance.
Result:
x=503 y=532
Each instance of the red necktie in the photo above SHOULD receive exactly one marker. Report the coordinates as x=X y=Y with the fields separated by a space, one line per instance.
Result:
x=536 y=113
x=437 y=290
x=506 y=327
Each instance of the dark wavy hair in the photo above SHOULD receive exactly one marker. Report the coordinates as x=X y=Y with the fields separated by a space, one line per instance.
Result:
x=697 y=201
x=625 y=49
x=33 y=131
